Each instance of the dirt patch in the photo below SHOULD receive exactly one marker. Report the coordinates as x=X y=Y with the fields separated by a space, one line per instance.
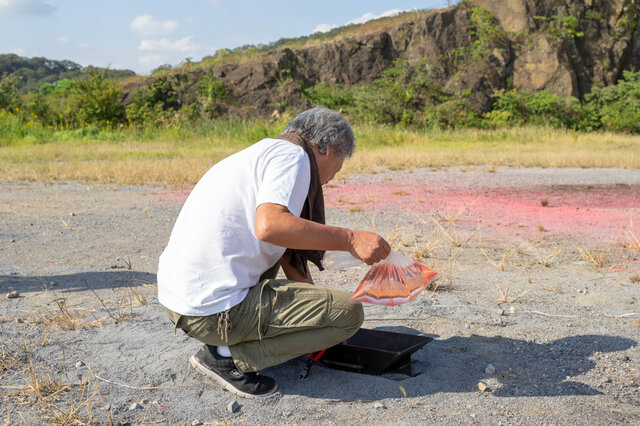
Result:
x=553 y=311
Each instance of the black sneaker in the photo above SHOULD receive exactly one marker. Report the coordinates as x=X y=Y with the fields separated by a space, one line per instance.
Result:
x=224 y=371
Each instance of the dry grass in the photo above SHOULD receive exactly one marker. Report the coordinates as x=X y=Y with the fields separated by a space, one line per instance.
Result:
x=457 y=238
x=59 y=400
x=632 y=242
x=179 y=162
x=505 y=297
x=501 y=263
x=598 y=258
x=545 y=258
x=424 y=250
x=557 y=289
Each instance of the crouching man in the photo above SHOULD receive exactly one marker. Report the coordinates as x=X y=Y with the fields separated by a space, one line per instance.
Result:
x=253 y=212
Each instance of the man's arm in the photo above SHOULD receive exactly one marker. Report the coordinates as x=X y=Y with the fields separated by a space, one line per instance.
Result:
x=276 y=225
x=293 y=274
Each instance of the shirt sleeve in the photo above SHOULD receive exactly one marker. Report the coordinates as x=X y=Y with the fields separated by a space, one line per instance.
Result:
x=285 y=181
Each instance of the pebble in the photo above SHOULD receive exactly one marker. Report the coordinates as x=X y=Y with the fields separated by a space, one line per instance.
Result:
x=379 y=406
x=196 y=423
x=490 y=369
x=107 y=407
x=482 y=387
x=13 y=240
x=13 y=294
x=79 y=364
x=144 y=401
x=134 y=406
x=233 y=407
x=512 y=309
x=72 y=214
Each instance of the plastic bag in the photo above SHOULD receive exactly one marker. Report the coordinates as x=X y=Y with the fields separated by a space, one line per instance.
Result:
x=392 y=281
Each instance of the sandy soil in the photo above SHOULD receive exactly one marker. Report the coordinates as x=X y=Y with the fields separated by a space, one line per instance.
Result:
x=539 y=277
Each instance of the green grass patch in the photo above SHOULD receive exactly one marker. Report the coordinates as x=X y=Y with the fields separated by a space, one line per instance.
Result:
x=179 y=156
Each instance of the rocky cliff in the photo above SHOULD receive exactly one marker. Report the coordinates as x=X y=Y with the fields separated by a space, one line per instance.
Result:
x=475 y=47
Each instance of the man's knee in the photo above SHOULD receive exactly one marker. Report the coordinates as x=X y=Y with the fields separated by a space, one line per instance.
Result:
x=356 y=317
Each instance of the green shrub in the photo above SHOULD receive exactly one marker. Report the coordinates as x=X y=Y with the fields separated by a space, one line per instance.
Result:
x=618 y=106
x=212 y=93
x=544 y=108
x=9 y=98
x=97 y=100
x=153 y=105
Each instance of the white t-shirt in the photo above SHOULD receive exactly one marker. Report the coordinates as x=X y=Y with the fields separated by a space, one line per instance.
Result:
x=213 y=256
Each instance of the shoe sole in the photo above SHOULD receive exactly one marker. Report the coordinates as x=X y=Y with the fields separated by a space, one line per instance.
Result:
x=222 y=382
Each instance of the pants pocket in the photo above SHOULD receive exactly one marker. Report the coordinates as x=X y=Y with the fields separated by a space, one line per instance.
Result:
x=298 y=306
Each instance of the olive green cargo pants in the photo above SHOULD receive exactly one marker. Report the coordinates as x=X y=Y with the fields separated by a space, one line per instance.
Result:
x=277 y=321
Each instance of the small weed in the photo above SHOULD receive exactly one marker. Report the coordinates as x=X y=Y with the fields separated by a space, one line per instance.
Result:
x=451 y=218
x=355 y=209
x=422 y=251
x=400 y=192
x=540 y=227
x=457 y=239
x=410 y=404
x=504 y=294
x=598 y=258
x=633 y=242
x=557 y=289
x=502 y=263
x=634 y=278
x=546 y=259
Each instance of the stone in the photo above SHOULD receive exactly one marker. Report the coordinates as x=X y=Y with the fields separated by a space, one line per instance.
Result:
x=512 y=309
x=233 y=407
x=134 y=406
x=379 y=406
x=490 y=369
x=79 y=364
x=144 y=401
x=482 y=387
x=13 y=294
x=196 y=423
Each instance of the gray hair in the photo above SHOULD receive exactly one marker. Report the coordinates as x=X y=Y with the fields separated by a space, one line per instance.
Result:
x=323 y=127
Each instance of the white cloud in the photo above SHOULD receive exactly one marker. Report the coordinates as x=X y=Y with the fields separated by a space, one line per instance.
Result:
x=27 y=7
x=84 y=46
x=147 y=26
x=216 y=3
x=370 y=16
x=183 y=45
x=63 y=39
x=323 y=28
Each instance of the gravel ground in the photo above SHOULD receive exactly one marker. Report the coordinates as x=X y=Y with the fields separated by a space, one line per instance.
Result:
x=534 y=315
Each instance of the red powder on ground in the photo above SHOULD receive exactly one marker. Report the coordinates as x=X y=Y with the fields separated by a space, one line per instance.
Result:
x=597 y=211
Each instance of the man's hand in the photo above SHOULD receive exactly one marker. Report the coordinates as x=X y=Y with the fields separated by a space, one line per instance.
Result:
x=368 y=247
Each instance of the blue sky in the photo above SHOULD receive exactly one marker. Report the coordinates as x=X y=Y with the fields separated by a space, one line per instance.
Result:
x=143 y=34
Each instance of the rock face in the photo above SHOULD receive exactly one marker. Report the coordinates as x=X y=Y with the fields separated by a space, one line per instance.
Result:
x=566 y=46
